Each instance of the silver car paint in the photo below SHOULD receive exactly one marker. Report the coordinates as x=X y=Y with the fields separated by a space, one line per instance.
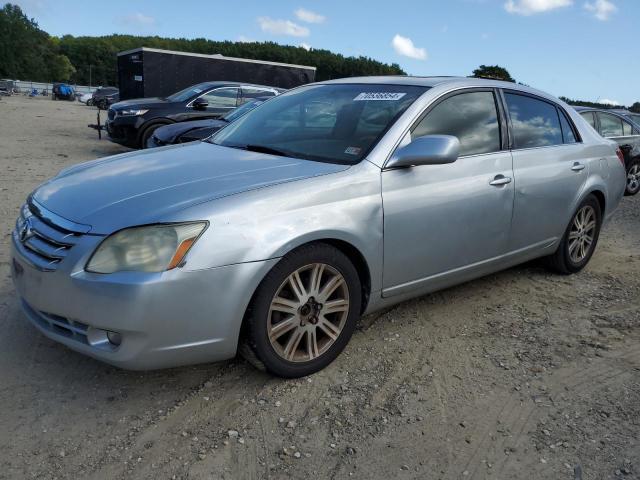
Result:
x=412 y=240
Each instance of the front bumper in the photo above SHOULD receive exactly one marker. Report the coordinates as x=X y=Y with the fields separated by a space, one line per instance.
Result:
x=124 y=130
x=167 y=319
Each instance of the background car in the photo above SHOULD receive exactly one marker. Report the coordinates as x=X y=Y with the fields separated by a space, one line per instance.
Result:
x=619 y=128
x=62 y=91
x=101 y=93
x=106 y=100
x=183 y=132
x=86 y=98
x=132 y=122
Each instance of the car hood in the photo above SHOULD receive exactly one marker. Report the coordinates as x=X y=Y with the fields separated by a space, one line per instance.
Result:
x=169 y=133
x=146 y=186
x=153 y=102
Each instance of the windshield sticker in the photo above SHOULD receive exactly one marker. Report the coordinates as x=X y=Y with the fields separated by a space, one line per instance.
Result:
x=365 y=96
x=353 y=150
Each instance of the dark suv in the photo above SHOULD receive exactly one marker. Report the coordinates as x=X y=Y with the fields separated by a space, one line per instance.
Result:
x=132 y=122
x=625 y=133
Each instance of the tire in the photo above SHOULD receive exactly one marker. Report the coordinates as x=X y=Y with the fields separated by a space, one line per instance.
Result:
x=570 y=257
x=633 y=178
x=148 y=131
x=300 y=334
x=89 y=103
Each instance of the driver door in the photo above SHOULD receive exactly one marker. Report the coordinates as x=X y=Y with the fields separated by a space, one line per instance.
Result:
x=446 y=223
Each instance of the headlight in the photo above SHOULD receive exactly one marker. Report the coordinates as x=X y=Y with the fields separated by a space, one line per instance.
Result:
x=154 y=248
x=132 y=112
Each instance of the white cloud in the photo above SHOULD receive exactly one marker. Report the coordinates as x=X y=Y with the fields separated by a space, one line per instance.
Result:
x=309 y=16
x=139 y=20
x=608 y=101
x=404 y=46
x=601 y=9
x=282 y=27
x=306 y=46
x=530 y=7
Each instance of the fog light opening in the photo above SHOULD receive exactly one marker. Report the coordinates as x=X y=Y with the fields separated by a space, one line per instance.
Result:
x=115 y=338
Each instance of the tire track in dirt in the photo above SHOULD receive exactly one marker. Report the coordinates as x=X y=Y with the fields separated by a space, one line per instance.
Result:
x=503 y=413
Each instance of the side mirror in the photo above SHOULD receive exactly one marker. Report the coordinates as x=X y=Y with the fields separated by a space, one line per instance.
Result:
x=200 y=103
x=427 y=150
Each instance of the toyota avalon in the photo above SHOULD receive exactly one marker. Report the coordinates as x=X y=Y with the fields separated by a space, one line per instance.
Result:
x=332 y=200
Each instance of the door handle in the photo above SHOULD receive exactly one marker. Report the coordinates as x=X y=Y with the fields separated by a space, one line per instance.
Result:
x=577 y=167
x=500 y=180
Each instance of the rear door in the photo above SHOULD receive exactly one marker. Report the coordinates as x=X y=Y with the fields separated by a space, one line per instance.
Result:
x=622 y=132
x=440 y=221
x=549 y=169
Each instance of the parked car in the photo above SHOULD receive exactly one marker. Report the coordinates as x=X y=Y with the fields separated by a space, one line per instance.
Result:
x=105 y=101
x=328 y=201
x=132 y=122
x=634 y=117
x=86 y=98
x=98 y=98
x=183 y=132
x=625 y=133
x=62 y=91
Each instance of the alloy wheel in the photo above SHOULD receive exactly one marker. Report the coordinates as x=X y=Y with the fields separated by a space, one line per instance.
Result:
x=582 y=233
x=308 y=312
x=633 y=178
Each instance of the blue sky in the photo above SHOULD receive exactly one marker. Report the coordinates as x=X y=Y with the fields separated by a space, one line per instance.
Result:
x=578 y=48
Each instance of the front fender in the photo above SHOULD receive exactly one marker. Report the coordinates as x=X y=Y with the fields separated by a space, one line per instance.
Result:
x=270 y=222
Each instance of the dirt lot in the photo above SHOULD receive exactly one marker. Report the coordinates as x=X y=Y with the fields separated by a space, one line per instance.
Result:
x=522 y=374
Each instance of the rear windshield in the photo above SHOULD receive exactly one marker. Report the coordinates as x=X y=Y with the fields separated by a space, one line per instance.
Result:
x=187 y=93
x=338 y=123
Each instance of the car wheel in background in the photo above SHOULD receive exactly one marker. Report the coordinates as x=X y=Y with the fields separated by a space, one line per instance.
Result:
x=148 y=132
x=580 y=238
x=303 y=313
x=90 y=102
x=633 y=178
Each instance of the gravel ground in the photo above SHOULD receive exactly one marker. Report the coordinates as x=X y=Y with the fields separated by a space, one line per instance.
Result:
x=522 y=374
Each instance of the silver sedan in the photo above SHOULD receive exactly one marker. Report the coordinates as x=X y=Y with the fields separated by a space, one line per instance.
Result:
x=333 y=200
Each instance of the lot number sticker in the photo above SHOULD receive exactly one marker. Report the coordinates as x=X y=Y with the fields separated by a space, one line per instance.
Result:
x=365 y=96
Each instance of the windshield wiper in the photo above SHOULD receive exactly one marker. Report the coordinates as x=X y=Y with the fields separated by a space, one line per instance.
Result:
x=265 y=149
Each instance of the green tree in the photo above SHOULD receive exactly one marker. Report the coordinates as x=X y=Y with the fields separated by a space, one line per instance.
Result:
x=494 y=72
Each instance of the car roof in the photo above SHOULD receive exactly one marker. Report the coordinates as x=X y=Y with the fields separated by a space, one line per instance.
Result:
x=454 y=82
x=233 y=84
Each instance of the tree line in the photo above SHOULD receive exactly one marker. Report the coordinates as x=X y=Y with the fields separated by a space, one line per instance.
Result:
x=27 y=52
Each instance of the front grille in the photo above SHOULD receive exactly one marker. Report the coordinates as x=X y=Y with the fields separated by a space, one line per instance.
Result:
x=111 y=114
x=43 y=243
x=59 y=325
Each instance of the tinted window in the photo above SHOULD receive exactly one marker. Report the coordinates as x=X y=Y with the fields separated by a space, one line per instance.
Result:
x=253 y=92
x=337 y=123
x=610 y=125
x=535 y=122
x=222 y=98
x=590 y=118
x=568 y=134
x=187 y=93
x=627 y=129
x=472 y=117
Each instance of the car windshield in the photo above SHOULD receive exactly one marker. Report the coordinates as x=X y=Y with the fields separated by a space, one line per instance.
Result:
x=187 y=93
x=241 y=110
x=338 y=123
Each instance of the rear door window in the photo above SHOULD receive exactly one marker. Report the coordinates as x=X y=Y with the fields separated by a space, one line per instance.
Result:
x=535 y=123
x=610 y=125
x=222 y=98
x=568 y=134
x=471 y=117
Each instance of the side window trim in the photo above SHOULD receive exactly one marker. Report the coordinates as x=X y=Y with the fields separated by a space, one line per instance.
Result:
x=503 y=91
x=462 y=91
x=572 y=126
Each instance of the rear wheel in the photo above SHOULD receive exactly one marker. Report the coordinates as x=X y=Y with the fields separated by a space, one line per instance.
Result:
x=633 y=178
x=580 y=238
x=303 y=313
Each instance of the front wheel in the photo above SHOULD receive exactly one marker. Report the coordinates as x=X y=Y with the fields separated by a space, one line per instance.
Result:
x=580 y=238
x=633 y=178
x=303 y=313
